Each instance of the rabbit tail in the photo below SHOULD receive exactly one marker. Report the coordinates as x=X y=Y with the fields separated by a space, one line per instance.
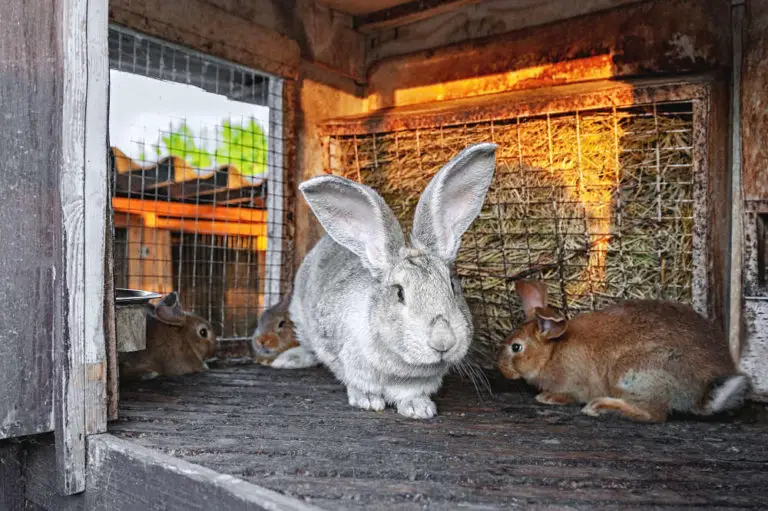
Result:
x=727 y=393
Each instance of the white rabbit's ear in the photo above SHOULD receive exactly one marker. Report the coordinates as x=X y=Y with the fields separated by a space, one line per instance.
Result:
x=357 y=218
x=168 y=310
x=453 y=199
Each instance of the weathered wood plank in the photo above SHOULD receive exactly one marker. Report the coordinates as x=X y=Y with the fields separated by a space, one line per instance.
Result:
x=203 y=26
x=70 y=284
x=653 y=38
x=478 y=20
x=96 y=198
x=11 y=477
x=406 y=13
x=736 y=210
x=508 y=105
x=125 y=476
x=80 y=351
x=294 y=432
x=753 y=99
x=131 y=328
x=30 y=111
x=110 y=328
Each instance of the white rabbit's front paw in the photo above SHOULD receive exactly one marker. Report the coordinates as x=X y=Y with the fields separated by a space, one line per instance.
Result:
x=366 y=400
x=417 y=408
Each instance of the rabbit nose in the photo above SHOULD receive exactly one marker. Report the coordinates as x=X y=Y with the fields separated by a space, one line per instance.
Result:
x=442 y=338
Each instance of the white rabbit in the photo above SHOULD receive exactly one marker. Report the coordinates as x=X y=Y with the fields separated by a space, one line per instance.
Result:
x=387 y=318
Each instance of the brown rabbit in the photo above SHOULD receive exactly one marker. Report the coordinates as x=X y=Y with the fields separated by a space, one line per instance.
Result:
x=640 y=358
x=274 y=333
x=178 y=343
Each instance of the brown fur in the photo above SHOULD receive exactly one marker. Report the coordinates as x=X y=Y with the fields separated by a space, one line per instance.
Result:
x=175 y=345
x=274 y=333
x=639 y=358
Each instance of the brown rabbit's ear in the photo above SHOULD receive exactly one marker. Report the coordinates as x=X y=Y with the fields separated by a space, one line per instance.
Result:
x=533 y=293
x=551 y=323
x=168 y=310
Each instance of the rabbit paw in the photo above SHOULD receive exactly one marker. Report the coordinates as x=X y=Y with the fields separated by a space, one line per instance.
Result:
x=551 y=398
x=295 y=358
x=417 y=408
x=603 y=405
x=366 y=400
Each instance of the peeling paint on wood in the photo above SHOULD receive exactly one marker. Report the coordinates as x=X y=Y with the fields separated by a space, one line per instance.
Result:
x=754 y=102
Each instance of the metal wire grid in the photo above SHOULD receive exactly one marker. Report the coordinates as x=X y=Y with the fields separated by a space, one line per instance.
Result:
x=600 y=204
x=204 y=232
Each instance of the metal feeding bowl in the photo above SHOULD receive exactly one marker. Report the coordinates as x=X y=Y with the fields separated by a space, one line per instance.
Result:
x=125 y=296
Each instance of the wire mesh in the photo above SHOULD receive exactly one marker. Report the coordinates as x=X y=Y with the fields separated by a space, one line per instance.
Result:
x=200 y=201
x=599 y=204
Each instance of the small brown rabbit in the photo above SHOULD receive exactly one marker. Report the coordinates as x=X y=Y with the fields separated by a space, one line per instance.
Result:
x=640 y=358
x=178 y=343
x=274 y=333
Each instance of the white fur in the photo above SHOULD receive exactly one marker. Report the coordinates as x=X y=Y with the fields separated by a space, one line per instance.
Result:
x=295 y=358
x=388 y=318
x=730 y=394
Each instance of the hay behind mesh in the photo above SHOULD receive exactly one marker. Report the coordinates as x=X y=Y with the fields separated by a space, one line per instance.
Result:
x=599 y=205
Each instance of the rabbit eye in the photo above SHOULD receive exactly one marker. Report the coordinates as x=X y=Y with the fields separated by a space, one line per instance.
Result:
x=400 y=293
x=517 y=347
x=281 y=324
x=203 y=332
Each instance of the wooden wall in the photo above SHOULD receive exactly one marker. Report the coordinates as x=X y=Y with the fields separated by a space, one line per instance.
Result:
x=658 y=38
x=754 y=192
x=30 y=111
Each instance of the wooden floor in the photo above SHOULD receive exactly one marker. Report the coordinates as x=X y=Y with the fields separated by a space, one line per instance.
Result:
x=292 y=431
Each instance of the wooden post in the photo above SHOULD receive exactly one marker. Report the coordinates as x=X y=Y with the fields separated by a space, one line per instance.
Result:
x=275 y=194
x=80 y=358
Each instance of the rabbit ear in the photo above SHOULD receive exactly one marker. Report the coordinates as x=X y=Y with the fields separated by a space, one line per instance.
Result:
x=453 y=199
x=168 y=310
x=533 y=293
x=357 y=218
x=550 y=322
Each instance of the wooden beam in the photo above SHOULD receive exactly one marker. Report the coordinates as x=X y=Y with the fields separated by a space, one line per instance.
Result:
x=477 y=20
x=203 y=26
x=734 y=299
x=403 y=14
x=80 y=406
x=124 y=476
x=508 y=105
x=183 y=210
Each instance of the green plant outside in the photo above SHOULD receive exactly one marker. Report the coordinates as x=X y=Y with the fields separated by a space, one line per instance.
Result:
x=245 y=147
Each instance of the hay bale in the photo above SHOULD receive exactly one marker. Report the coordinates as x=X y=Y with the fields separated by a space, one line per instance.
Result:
x=597 y=204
